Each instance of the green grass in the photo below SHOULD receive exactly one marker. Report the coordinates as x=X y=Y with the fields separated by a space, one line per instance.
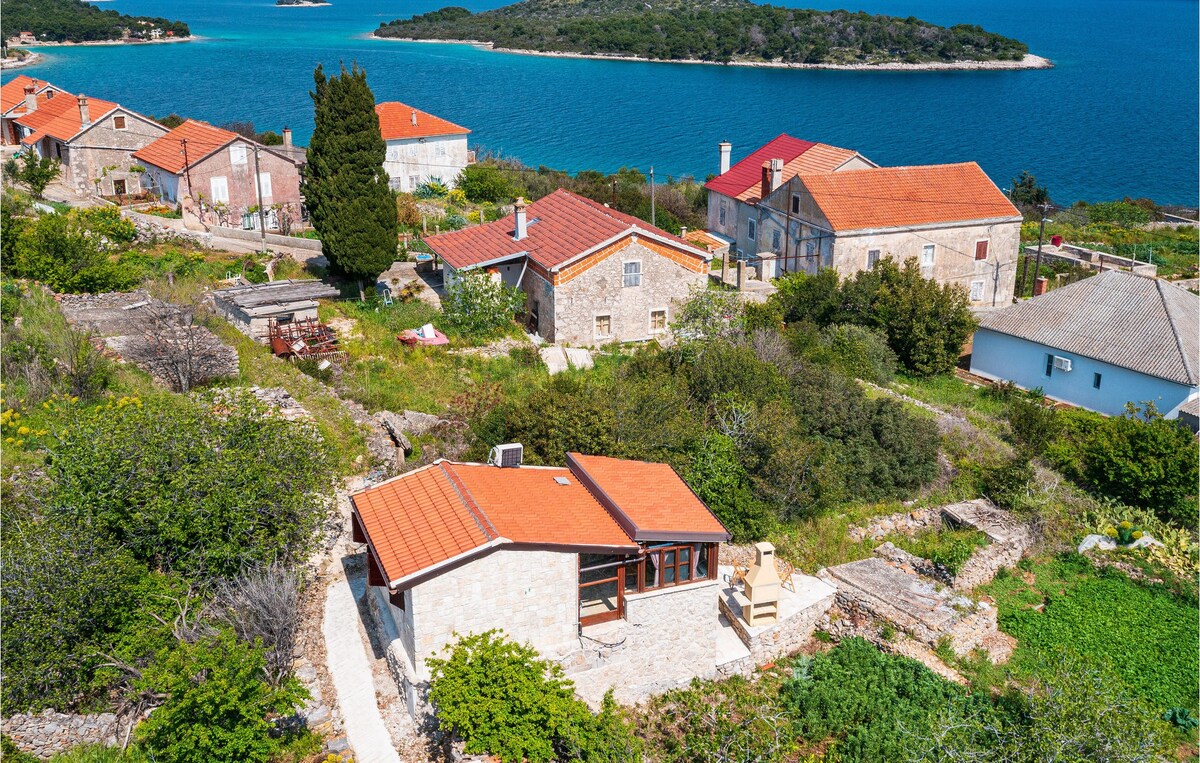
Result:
x=1144 y=633
x=949 y=548
x=949 y=392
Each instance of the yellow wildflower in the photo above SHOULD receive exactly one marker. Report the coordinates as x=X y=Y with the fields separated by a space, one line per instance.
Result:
x=23 y=431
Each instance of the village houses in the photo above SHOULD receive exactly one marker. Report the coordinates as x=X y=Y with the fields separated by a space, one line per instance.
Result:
x=591 y=274
x=421 y=147
x=1099 y=343
x=94 y=139
x=225 y=175
x=19 y=96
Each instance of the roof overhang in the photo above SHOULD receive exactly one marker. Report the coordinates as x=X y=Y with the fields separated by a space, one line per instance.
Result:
x=633 y=230
x=485 y=263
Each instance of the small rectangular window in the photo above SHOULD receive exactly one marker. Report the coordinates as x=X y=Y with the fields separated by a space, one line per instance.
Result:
x=751 y=230
x=603 y=326
x=981 y=250
x=872 y=258
x=394 y=184
x=119 y=187
x=976 y=291
x=658 y=321
x=721 y=213
x=237 y=154
x=633 y=274
x=795 y=203
x=264 y=184
x=220 y=190
x=1096 y=381
x=1049 y=366
x=118 y=123
x=776 y=239
x=927 y=256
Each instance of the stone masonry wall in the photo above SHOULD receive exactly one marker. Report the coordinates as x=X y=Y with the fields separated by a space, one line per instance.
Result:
x=48 y=732
x=785 y=637
x=599 y=291
x=104 y=146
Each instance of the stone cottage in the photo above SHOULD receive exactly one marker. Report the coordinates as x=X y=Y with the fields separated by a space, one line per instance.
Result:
x=222 y=174
x=556 y=557
x=951 y=218
x=421 y=147
x=591 y=274
x=20 y=95
x=735 y=193
x=94 y=139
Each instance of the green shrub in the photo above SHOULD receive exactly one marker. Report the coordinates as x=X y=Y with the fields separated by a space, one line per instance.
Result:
x=526 y=356
x=719 y=479
x=478 y=305
x=431 y=189
x=859 y=352
x=1034 y=426
x=485 y=183
x=948 y=548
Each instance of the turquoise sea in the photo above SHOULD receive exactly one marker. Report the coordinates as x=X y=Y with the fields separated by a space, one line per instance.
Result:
x=1118 y=115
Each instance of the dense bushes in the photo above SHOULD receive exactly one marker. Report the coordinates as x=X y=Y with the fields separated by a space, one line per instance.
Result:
x=71 y=252
x=477 y=304
x=501 y=699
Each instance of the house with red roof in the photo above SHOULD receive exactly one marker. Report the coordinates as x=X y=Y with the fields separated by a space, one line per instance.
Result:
x=591 y=274
x=951 y=218
x=224 y=176
x=565 y=559
x=421 y=147
x=20 y=95
x=735 y=193
x=93 y=138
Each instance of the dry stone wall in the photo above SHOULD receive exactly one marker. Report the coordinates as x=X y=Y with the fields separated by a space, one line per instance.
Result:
x=48 y=733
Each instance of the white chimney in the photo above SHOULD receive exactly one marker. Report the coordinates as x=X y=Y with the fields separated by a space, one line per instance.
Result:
x=776 y=173
x=414 y=117
x=726 y=148
x=85 y=119
x=287 y=137
x=520 y=229
x=30 y=98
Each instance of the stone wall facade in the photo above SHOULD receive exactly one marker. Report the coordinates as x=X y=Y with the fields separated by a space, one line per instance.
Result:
x=105 y=153
x=47 y=733
x=781 y=639
x=599 y=291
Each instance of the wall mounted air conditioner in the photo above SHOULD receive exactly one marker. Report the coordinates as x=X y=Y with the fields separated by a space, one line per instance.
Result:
x=507 y=455
x=1062 y=364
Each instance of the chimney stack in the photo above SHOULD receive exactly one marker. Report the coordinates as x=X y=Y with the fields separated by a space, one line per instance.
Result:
x=726 y=148
x=85 y=119
x=414 y=117
x=30 y=98
x=287 y=137
x=776 y=173
x=520 y=228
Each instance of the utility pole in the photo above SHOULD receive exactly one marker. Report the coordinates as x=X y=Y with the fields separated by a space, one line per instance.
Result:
x=262 y=223
x=614 y=193
x=1037 y=268
x=187 y=167
x=652 y=195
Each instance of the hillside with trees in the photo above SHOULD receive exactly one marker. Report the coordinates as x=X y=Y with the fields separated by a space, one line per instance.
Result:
x=709 y=30
x=77 y=21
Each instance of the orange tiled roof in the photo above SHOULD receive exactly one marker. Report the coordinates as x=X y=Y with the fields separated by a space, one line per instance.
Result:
x=59 y=117
x=743 y=181
x=890 y=197
x=704 y=240
x=561 y=226
x=12 y=94
x=396 y=122
x=649 y=500
x=430 y=516
x=202 y=140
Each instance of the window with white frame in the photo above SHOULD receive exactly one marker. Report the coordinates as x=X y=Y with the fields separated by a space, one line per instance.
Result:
x=118 y=123
x=603 y=326
x=658 y=321
x=411 y=149
x=237 y=154
x=394 y=184
x=264 y=184
x=927 y=255
x=219 y=186
x=752 y=230
x=632 y=273
x=440 y=148
x=976 y=291
x=872 y=258
x=413 y=182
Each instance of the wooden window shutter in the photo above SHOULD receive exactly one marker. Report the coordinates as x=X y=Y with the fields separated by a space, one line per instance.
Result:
x=981 y=250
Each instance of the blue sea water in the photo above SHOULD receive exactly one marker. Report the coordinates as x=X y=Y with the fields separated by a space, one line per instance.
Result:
x=1117 y=116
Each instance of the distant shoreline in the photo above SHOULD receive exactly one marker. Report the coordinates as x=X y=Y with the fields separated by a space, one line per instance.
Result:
x=1030 y=61
x=20 y=63
x=302 y=5
x=99 y=43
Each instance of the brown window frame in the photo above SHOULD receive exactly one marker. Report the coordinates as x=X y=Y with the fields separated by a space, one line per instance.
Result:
x=119 y=123
x=984 y=245
x=618 y=578
x=709 y=549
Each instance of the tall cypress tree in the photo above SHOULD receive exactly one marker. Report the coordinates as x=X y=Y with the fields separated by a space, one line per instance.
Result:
x=345 y=186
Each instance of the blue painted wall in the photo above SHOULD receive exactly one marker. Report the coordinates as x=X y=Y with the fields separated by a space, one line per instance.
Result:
x=1004 y=357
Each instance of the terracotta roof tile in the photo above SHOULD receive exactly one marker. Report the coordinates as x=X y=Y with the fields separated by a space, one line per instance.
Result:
x=12 y=94
x=202 y=140
x=396 y=123
x=59 y=116
x=652 y=496
x=743 y=181
x=890 y=197
x=560 y=227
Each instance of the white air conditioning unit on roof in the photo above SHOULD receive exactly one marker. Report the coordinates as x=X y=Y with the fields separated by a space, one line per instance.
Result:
x=507 y=455
x=1062 y=364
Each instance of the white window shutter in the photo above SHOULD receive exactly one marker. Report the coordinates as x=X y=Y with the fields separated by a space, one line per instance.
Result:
x=264 y=183
x=220 y=189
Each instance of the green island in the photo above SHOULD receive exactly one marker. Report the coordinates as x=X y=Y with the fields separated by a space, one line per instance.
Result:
x=716 y=31
x=77 y=21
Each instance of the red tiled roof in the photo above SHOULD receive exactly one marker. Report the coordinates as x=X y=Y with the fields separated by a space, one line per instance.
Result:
x=59 y=117
x=202 y=139
x=889 y=197
x=649 y=499
x=430 y=516
x=12 y=94
x=396 y=123
x=561 y=226
x=743 y=181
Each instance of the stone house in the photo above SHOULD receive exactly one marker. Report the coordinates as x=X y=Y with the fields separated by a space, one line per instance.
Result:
x=221 y=173
x=94 y=139
x=556 y=557
x=951 y=218
x=734 y=194
x=19 y=96
x=1099 y=343
x=591 y=274
x=421 y=147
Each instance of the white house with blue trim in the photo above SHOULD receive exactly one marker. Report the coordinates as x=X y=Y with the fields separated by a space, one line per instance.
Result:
x=1099 y=343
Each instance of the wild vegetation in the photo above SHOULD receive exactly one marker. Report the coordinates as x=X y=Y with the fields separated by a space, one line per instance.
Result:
x=717 y=30
x=78 y=21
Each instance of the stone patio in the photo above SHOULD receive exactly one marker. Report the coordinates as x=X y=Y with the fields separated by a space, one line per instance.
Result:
x=799 y=612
